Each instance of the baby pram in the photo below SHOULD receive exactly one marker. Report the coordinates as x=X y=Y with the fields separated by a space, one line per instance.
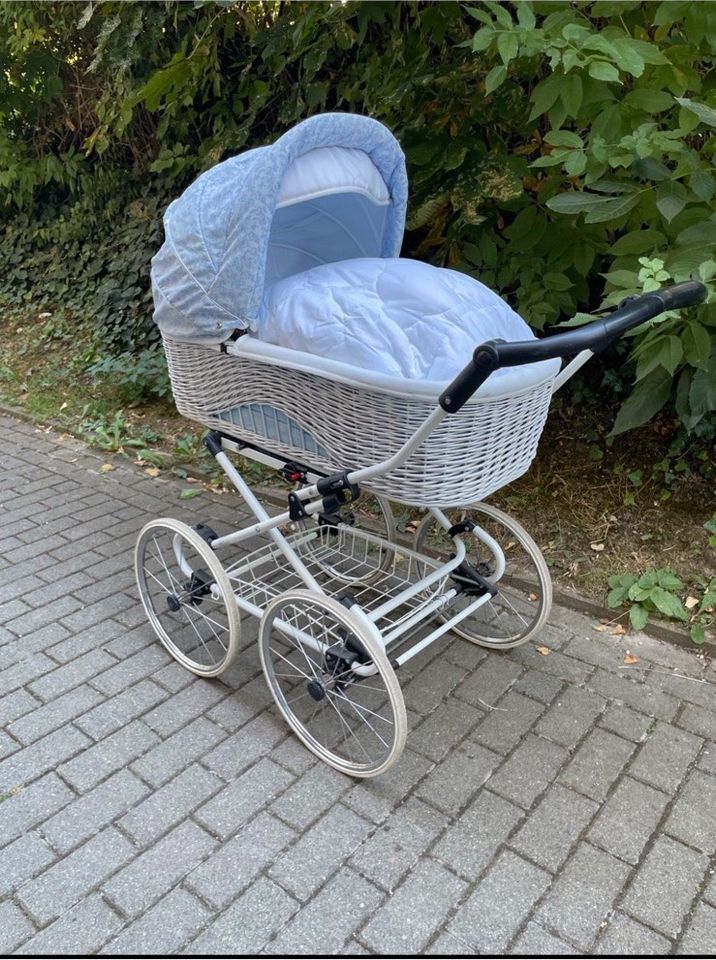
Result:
x=341 y=605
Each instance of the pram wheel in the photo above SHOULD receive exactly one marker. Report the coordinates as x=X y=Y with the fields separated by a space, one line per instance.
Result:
x=369 y=512
x=187 y=596
x=524 y=596
x=332 y=681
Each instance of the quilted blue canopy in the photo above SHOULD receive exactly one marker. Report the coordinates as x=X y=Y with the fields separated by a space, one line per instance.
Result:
x=208 y=277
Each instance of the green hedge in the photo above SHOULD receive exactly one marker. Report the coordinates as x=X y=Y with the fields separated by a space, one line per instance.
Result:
x=562 y=152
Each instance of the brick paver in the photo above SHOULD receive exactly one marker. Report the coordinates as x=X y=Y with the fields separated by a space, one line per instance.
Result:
x=558 y=804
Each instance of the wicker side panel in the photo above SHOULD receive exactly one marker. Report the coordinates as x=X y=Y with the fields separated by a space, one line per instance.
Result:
x=468 y=457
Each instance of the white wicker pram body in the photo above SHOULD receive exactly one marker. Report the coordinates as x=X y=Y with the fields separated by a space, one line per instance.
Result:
x=339 y=426
x=341 y=608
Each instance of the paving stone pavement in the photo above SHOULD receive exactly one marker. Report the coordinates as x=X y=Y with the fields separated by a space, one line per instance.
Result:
x=544 y=804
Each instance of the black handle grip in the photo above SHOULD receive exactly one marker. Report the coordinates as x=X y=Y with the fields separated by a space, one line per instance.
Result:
x=594 y=336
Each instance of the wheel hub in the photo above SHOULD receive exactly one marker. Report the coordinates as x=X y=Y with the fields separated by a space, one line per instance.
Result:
x=316 y=690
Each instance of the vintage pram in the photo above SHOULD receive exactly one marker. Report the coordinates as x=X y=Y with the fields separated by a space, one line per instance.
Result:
x=341 y=605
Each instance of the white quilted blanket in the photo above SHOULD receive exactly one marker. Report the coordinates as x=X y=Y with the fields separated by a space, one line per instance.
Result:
x=397 y=317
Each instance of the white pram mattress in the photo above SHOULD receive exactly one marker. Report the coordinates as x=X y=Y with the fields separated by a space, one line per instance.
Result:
x=396 y=319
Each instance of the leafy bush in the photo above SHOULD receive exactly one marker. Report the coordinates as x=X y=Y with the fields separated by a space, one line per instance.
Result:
x=562 y=152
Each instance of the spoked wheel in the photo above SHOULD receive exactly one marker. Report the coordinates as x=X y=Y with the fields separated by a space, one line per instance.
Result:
x=524 y=596
x=312 y=648
x=365 y=560
x=187 y=596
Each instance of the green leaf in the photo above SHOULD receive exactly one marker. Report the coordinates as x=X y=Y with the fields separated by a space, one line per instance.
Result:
x=702 y=395
x=668 y=604
x=483 y=38
x=189 y=493
x=612 y=208
x=703 y=184
x=669 y=580
x=697 y=344
x=671 y=199
x=563 y=138
x=571 y=94
x=495 y=78
x=705 y=114
x=651 y=101
x=646 y=399
x=544 y=95
x=602 y=70
x=507 y=46
x=704 y=233
x=574 y=202
x=698 y=634
x=638 y=616
x=500 y=13
x=638 y=241
x=525 y=16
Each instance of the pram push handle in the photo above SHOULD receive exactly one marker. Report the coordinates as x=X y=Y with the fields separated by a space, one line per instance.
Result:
x=595 y=336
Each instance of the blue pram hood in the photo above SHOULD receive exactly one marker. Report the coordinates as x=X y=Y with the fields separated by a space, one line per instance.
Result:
x=208 y=277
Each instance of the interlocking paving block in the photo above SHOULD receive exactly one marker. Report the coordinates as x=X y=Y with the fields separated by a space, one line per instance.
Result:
x=310 y=796
x=485 y=685
x=52 y=685
x=376 y=799
x=41 y=756
x=707 y=757
x=628 y=819
x=169 y=805
x=99 y=761
x=54 y=714
x=539 y=685
x=23 y=809
x=396 y=845
x=163 y=929
x=626 y=722
x=243 y=798
x=698 y=721
x=252 y=699
x=73 y=877
x=185 y=706
x=447 y=945
x=582 y=896
x=699 y=938
x=538 y=942
x=443 y=728
x=665 y=885
x=459 y=777
x=432 y=684
x=472 y=840
x=693 y=816
x=597 y=764
x=529 y=770
x=320 y=927
x=239 y=861
x=14 y=705
x=503 y=728
x=501 y=901
x=157 y=870
x=408 y=919
x=166 y=758
x=249 y=923
x=80 y=931
x=320 y=850
x=23 y=858
x=121 y=675
x=665 y=757
x=118 y=711
x=554 y=826
x=246 y=746
x=14 y=927
x=87 y=815
x=631 y=693
x=571 y=715
x=555 y=663
x=626 y=937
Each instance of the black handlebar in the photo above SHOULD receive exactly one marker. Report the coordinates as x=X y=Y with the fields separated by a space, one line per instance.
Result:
x=595 y=336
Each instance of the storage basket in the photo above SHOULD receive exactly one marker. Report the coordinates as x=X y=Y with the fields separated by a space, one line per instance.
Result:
x=330 y=425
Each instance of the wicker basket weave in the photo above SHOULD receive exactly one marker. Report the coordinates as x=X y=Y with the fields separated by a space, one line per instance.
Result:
x=469 y=456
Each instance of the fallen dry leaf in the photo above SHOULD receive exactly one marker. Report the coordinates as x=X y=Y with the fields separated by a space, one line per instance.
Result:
x=601 y=627
x=532 y=597
x=106 y=467
x=152 y=471
x=597 y=547
x=617 y=631
x=630 y=658
x=545 y=651
x=691 y=602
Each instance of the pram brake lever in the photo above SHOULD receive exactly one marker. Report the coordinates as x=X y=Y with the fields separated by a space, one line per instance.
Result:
x=594 y=336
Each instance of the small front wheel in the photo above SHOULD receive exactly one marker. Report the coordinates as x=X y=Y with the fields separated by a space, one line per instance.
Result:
x=332 y=682
x=187 y=596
